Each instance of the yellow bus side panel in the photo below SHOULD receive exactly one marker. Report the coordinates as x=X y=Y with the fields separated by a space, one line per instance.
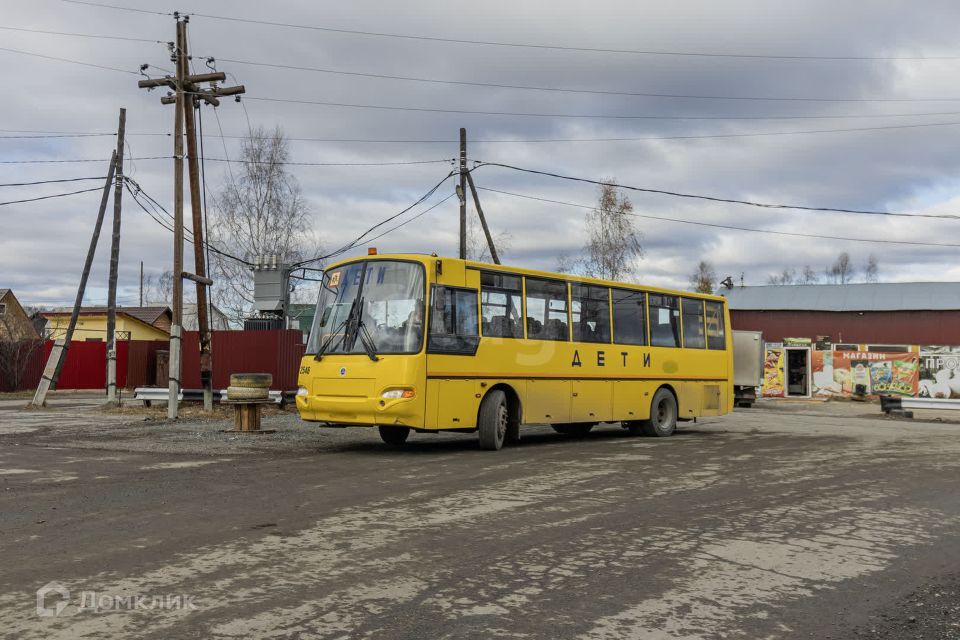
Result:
x=591 y=401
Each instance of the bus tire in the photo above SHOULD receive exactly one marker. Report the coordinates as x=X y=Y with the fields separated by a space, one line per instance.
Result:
x=393 y=435
x=663 y=415
x=492 y=420
x=573 y=428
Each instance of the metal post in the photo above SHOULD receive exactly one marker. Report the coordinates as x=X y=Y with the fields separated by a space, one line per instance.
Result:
x=463 y=193
x=114 y=267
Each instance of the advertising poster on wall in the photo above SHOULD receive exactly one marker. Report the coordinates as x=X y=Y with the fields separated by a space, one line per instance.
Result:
x=837 y=373
x=939 y=372
x=773 y=373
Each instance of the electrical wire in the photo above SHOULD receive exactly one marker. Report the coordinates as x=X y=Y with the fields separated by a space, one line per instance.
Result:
x=554 y=47
x=526 y=114
x=113 y=6
x=85 y=64
x=363 y=235
x=27 y=184
x=602 y=92
x=725 y=226
x=55 y=195
x=336 y=164
x=80 y=35
x=676 y=194
x=78 y=160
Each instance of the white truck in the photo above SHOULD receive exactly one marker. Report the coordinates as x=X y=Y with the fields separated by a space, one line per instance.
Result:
x=747 y=366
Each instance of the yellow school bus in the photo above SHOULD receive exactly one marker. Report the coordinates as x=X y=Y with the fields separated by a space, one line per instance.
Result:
x=428 y=344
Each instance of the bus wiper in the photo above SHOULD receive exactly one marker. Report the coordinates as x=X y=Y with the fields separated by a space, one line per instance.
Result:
x=322 y=349
x=367 y=341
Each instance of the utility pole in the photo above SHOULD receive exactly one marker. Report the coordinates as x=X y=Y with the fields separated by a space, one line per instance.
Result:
x=51 y=372
x=114 y=267
x=141 y=283
x=187 y=93
x=463 y=193
x=483 y=221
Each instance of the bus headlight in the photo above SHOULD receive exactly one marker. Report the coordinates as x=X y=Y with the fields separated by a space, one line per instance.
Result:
x=302 y=392
x=396 y=394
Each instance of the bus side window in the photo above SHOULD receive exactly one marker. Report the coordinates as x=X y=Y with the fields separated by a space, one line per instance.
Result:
x=547 y=310
x=629 y=317
x=453 y=321
x=590 y=305
x=664 y=320
x=694 y=336
x=500 y=305
x=716 y=336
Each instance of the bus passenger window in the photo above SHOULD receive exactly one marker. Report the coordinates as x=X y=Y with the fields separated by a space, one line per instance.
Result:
x=716 y=337
x=500 y=305
x=664 y=320
x=453 y=321
x=694 y=336
x=629 y=317
x=547 y=310
x=590 y=306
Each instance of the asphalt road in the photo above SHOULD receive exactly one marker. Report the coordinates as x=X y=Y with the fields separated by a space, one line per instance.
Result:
x=803 y=521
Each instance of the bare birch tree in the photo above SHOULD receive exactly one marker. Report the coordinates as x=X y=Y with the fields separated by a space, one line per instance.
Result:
x=704 y=279
x=871 y=271
x=259 y=210
x=842 y=270
x=477 y=247
x=613 y=245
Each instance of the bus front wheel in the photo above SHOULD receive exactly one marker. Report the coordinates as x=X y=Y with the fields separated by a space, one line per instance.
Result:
x=492 y=420
x=393 y=435
x=663 y=416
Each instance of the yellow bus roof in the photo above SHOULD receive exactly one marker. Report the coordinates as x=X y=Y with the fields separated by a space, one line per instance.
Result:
x=524 y=271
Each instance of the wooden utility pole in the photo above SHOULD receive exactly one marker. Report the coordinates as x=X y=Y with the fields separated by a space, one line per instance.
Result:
x=463 y=193
x=114 y=267
x=141 y=283
x=51 y=372
x=483 y=220
x=187 y=95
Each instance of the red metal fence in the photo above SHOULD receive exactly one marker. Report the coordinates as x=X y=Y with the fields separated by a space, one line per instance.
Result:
x=274 y=352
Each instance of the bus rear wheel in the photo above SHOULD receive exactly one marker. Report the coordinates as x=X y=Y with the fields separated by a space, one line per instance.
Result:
x=573 y=428
x=663 y=415
x=492 y=420
x=393 y=435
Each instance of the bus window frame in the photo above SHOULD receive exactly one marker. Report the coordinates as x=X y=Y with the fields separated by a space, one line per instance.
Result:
x=587 y=285
x=723 y=323
x=475 y=342
x=703 y=323
x=646 y=323
x=567 y=299
x=679 y=341
x=520 y=291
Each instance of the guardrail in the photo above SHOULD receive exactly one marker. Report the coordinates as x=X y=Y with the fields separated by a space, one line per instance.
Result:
x=161 y=394
x=902 y=406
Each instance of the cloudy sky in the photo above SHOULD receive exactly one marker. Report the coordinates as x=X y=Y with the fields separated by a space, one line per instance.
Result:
x=898 y=165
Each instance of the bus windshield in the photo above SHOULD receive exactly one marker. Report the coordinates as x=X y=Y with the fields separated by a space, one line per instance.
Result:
x=379 y=302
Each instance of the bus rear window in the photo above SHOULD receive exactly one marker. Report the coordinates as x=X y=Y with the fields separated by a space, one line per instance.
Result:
x=716 y=333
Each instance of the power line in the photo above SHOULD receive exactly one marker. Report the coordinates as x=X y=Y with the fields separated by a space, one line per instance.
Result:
x=694 y=196
x=363 y=235
x=27 y=184
x=55 y=195
x=603 y=92
x=113 y=6
x=554 y=47
x=77 y=160
x=85 y=64
x=81 y=35
x=526 y=114
x=535 y=140
x=725 y=226
x=334 y=164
